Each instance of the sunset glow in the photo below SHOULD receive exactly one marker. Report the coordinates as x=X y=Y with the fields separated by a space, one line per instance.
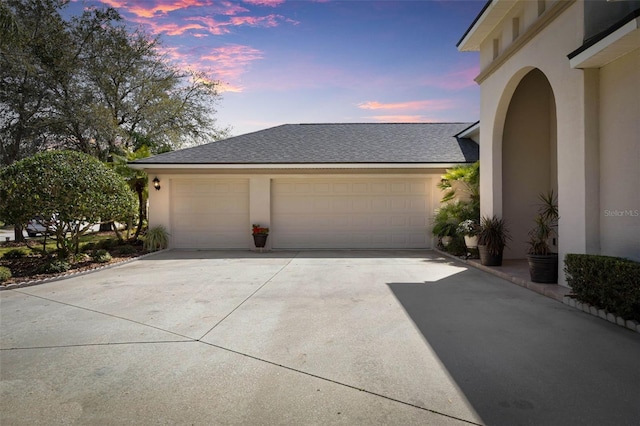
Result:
x=280 y=61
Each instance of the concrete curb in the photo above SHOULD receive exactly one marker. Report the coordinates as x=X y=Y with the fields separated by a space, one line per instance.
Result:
x=543 y=289
x=601 y=313
x=74 y=274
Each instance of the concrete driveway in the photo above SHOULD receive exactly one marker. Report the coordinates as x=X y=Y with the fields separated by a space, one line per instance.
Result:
x=344 y=337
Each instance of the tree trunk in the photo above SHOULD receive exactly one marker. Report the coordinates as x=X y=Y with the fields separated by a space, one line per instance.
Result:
x=139 y=190
x=106 y=227
x=17 y=234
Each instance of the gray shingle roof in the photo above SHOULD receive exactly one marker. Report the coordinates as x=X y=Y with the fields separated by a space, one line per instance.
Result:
x=334 y=143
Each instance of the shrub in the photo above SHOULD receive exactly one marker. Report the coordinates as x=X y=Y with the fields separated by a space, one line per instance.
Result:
x=102 y=256
x=14 y=254
x=449 y=215
x=89 y=247
x=457 y=247
x=79 y=258
x=106 y=244
x=609 y=283
x=71 y=186
x=56 y=266
x=5 y=273
x=157 y=238
x=127 y=249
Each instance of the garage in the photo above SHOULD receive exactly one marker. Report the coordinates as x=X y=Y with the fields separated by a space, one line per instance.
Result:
x=351 y=212
x=316 y=186
x=210 y=213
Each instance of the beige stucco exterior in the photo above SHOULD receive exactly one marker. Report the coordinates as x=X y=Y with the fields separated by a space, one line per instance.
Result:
x=549 y=124
x=261 y=181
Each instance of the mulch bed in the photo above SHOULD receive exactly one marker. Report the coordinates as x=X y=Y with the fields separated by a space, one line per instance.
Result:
x=28 y=268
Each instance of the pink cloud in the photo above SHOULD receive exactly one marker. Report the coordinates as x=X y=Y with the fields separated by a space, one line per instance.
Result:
x=431 y=105
x=212 y=25
x=403 y=119
x=172 y=28
x=217 y=27
x=270 y=3
x=156 y=8
x=257 y=21
x=455 y=80
x=226 y=63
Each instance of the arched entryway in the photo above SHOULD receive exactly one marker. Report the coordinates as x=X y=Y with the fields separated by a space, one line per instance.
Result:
x=529 y=156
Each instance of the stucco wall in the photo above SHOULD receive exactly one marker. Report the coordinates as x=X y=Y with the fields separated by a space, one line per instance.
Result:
x=620 y=157
x=260 y=188
x=546 y=50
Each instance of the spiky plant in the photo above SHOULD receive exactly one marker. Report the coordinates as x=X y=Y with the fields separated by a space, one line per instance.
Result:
x=157 y=238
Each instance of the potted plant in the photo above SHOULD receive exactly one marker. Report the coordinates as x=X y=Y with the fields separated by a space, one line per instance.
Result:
x=445 y=231
x=260 y=235
x=445 y=223
x=492 y=238
x=469 y=228
x=543 y=263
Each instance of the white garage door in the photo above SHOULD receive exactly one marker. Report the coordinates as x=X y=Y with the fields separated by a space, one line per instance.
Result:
x=351 y=213
x=207 y=213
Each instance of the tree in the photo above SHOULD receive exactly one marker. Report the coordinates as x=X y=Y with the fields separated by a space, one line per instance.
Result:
x=91 y=84
x=27 y=63
x=136 y=179
x=468 y=175
x=8 y=25
x=69 y=191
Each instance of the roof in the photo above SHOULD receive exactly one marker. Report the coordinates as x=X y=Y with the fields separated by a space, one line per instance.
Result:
x=333 y=144
x=463 y=39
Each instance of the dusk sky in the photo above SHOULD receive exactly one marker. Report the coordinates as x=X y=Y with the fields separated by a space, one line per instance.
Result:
x=284 y=61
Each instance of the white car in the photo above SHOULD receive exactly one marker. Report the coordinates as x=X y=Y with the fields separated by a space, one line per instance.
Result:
x=36 y=227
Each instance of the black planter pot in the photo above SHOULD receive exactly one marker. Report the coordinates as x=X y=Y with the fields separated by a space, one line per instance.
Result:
x=487 y=259
x=543 y=268
x=260 y=240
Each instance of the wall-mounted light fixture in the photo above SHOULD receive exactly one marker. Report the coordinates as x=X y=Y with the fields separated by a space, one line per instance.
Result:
x=156 y=183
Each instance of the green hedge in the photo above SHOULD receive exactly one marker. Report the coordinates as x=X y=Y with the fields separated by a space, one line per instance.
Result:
x=609 y=283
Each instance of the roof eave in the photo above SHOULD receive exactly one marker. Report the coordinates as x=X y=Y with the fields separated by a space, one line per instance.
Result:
x=490 y=16
x=148 y=166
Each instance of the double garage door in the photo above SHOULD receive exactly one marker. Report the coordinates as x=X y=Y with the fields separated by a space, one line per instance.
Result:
x=310 y=213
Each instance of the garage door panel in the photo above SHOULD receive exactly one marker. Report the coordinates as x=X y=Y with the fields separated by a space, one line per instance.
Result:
x=210 y=213
x=351 y=213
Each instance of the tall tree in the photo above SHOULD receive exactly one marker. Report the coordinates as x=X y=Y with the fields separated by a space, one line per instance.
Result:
x=93 y=85
x=26 y=64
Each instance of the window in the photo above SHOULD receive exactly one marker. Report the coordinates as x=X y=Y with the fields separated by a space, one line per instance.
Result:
x=541 y=7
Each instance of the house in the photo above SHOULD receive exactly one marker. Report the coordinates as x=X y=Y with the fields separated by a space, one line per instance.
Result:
x=314 y=185
x=560 y=109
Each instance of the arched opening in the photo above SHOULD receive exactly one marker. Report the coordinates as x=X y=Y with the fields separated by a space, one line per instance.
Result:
x=529 y=157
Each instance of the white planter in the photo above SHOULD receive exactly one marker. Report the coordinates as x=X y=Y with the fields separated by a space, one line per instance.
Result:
x=471 y=241
x=446 y=241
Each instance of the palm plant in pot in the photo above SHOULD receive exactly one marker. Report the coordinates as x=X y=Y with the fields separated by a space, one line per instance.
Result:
x=492 y=238
x=543 y=263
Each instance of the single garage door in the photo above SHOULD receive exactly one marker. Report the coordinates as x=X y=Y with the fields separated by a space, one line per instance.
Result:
x=208 y=213
x=351 y=213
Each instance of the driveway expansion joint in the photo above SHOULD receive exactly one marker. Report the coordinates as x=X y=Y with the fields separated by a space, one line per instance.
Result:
x=389 y=398
x=249 y=297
